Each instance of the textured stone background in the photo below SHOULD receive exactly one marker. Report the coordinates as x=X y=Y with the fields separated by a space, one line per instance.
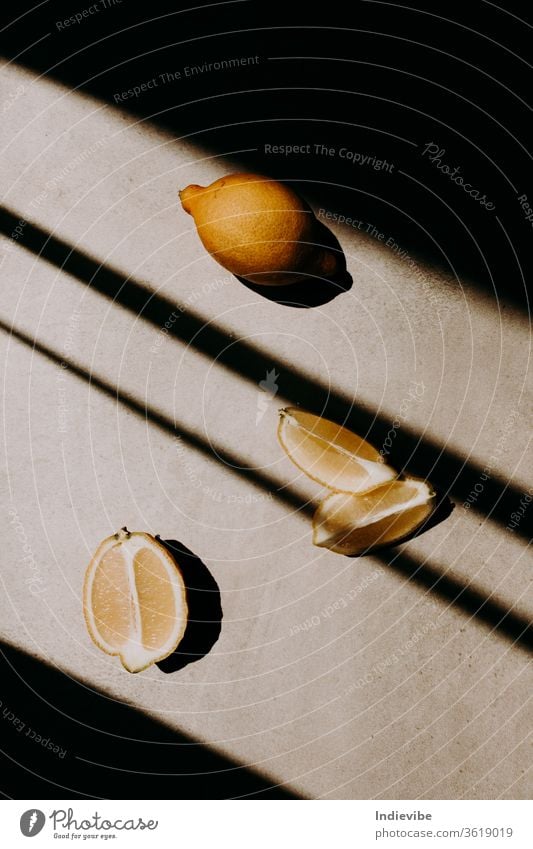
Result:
x=336 y=678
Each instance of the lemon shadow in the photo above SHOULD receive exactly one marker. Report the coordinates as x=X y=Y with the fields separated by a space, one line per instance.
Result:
x=313 y=291
x=205 y=609
x=443 y=510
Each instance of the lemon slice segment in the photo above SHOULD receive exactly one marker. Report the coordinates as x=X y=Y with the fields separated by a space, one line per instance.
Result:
x=357 y=524
x=330 y=454
x=134 y=600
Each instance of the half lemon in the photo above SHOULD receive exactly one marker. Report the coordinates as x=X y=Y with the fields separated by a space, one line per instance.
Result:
x=134 y=600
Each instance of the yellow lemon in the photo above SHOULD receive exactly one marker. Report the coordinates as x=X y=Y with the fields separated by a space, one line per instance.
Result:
x=134 y=600
x=260 y=229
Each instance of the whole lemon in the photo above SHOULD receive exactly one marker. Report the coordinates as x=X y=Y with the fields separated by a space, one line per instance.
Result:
x=260 y=229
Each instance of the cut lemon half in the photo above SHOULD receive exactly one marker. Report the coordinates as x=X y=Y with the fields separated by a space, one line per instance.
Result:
x=134 y=600
x=330 y=454
x=356 y=524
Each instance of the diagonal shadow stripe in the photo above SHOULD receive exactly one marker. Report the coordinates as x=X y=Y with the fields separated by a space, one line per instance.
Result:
x=420 y=455
x=165 y=423
x=467 y=598
x=107 y=749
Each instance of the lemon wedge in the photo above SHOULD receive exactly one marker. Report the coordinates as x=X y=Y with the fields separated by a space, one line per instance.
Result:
x=330 y=454
x=355 y=524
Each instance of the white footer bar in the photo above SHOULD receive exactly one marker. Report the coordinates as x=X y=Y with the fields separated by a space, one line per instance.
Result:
x=268 y=824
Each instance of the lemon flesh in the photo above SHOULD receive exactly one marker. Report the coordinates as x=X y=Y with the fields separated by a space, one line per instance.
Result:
x=356 y=524
x=134 y=600
x=330 y=454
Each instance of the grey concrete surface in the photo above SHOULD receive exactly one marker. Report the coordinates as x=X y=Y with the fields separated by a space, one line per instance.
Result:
x=338 y=678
